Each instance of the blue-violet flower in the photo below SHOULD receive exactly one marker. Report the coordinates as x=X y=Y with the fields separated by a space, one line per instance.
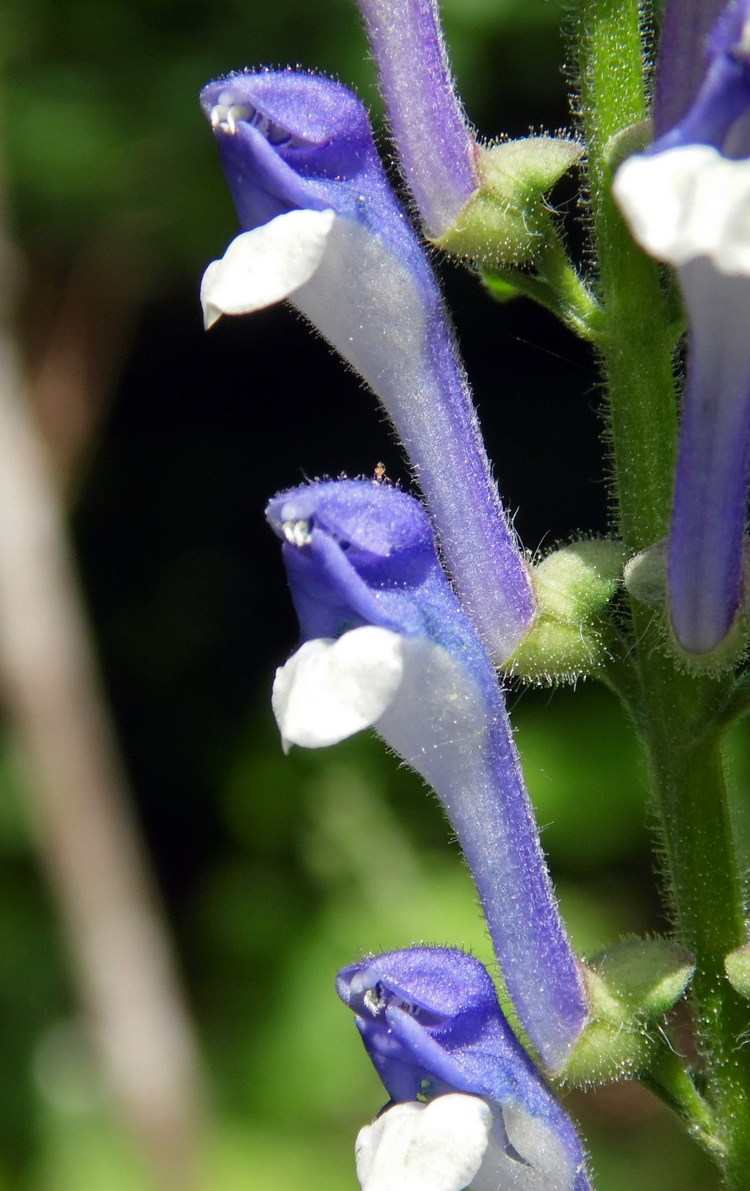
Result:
x=322 y=227
x=469 y=1107
x=387 y=644
x=686 y=201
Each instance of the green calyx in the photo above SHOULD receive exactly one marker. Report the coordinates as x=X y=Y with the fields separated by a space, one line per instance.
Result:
x=630 y=986
x=645 y=576
x=507 y=220
x=573 y=587
x=737 y=967
x=647 y=975
x=645 y=579
x=627 y=141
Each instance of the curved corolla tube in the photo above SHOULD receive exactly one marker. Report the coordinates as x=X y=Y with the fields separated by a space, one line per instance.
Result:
x=387 y=644
x=681 y=64
x=435 y=145
x=323 y=228
x=686 y=201
x=469 y=1106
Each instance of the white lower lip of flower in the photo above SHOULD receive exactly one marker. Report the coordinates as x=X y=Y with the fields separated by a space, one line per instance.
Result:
x=425 y=1147
x=330 y=689
x=353 y=288
x=457 y=1141
x=266 y=265
x=686 y=203
x=352 y=272
x=423 y=701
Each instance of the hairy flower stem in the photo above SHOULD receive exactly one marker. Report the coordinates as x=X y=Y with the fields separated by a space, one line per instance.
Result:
x=677 y=723
x=676 y=713
x=637 y=344
x=668 y=1079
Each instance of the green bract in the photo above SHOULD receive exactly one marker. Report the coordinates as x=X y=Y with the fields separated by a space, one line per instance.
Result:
x=573 y=587
x=630 y=986
x=508 y=220
x=737 y=965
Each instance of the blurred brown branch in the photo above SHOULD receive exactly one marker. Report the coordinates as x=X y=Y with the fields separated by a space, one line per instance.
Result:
x=76 y=334
x=88 y=841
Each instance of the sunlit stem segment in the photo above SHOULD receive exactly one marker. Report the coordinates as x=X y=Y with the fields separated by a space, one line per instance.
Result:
x=556 y=285
x=638 y=345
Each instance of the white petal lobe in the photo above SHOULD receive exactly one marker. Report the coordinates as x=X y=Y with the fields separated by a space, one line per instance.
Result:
x=330 y=689
x=424 y=1147
x=687 y=203
x=266 y=265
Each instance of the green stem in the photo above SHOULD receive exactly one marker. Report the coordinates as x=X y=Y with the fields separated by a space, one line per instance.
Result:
x=705 y=890
x=575 y=304
x=668 y=1079
x=677 y=714
x=556 y=285
x=738 y=703
x=638 y=344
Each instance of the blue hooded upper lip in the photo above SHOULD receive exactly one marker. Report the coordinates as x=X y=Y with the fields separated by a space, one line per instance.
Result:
x=417 y=1010
x=361 y=553
x=291 y=140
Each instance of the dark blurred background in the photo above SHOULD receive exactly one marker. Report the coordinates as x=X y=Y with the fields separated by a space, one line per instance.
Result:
x=168 y=442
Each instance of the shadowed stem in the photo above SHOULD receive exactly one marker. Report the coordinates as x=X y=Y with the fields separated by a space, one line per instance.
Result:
x=677 y=721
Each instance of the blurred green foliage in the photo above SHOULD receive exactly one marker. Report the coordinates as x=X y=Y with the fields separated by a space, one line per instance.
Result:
x=316 y=857
x=104 y=136
x=331 y=854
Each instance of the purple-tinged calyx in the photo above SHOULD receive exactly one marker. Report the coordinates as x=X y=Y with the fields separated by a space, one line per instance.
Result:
x=323 y=228
x=430 y=1020
x=386 y=644
x=686 y=201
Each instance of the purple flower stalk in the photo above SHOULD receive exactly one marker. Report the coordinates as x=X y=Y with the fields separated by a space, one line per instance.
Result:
x=322 y=227
x=388 y=645
x=686 y=202
x=436 y=147
x=469 y=1106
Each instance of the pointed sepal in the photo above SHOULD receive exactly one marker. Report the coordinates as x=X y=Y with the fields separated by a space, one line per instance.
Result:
x=631 y=986
x=507 y=220
x=569 y=639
